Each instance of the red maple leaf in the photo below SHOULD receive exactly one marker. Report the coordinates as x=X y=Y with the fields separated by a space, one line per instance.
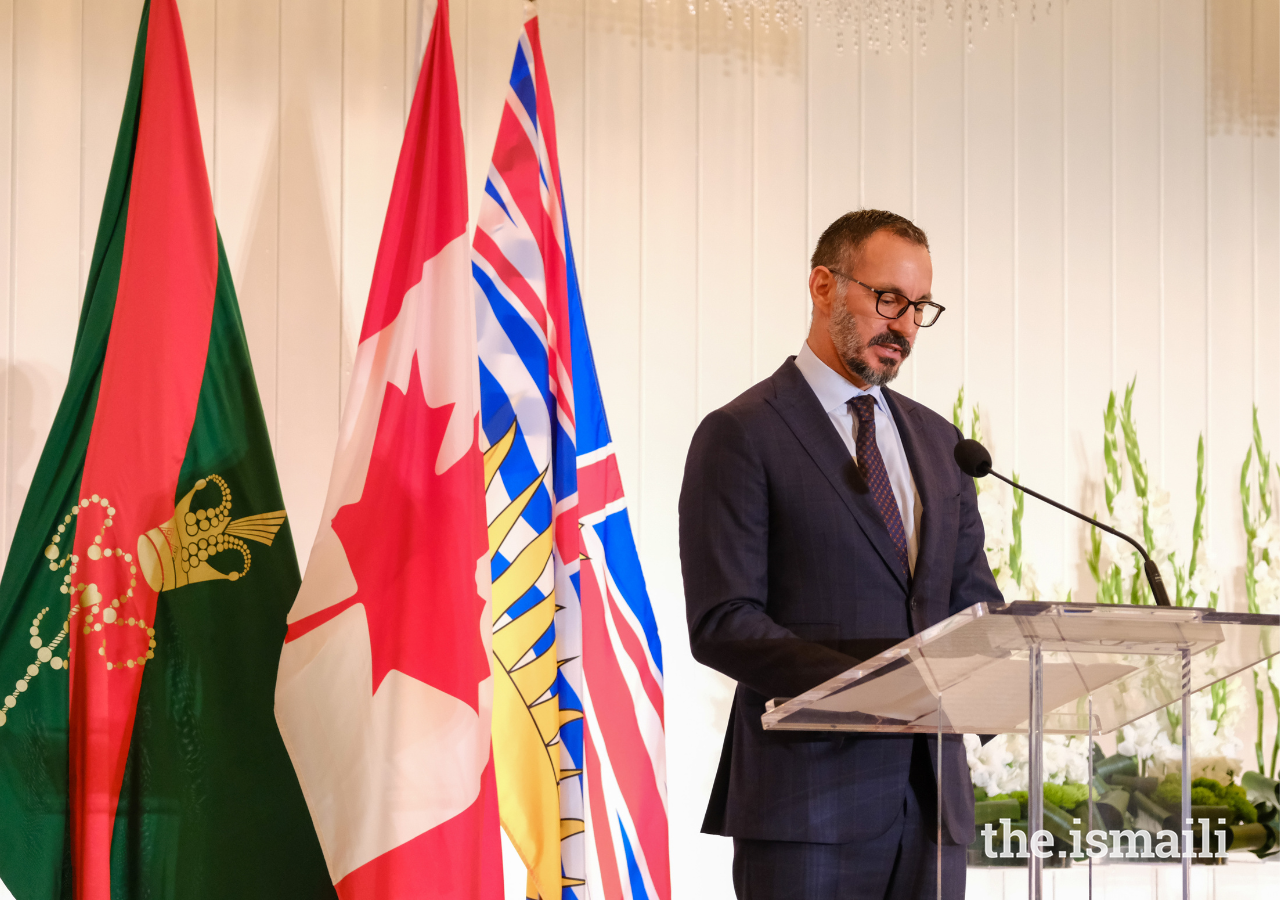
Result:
x=412 y=541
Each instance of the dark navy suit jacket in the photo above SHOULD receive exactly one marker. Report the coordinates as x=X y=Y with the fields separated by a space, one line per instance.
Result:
x=789 y=580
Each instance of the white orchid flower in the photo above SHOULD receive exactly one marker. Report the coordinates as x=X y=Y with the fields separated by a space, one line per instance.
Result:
x=1145 y=738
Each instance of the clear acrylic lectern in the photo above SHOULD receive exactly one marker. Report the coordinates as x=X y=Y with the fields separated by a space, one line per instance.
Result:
x=1031 y=668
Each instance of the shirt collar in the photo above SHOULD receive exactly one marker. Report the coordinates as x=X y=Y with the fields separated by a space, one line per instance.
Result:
x=833 y=390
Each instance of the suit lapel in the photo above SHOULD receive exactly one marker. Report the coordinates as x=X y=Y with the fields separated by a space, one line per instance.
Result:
x=796 y=403
x=916 y=444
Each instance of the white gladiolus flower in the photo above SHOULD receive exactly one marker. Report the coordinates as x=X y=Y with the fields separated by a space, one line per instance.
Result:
x=1210 y=738
x=1269 y=597
x=1206 y=581
x=996 y=521
x=1268 y=592
x=1054 y=592
x=1160 y=519
x=995 y=507
x=1115 y=552
x=1267 y=578
x=1151 y=741
x=1268 y=537
x=1127 y=513
x=1030 y=589
x=1004 y=581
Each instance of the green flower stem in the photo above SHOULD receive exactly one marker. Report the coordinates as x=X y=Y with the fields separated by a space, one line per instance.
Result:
x=1262 y=705
x=1137 y=466
x=1254 y=520
x=1095 y=554
x=975 y=426
x=1275 y=705
x=1184 y=576
x=1108 y=582
x=1015 y=548
x=1218 y=694
x=1111 y=483
x=1264 y=470
x=1202 y=496
x=1250 y=533
x=1181 y=595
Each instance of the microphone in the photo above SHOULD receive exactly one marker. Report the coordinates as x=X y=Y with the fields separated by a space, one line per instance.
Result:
x=974 y=460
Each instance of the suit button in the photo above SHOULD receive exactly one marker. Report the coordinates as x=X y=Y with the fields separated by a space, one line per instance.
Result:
x=915 y=603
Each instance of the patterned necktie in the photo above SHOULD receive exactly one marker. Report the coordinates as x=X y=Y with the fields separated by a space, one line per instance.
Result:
x=872 y=463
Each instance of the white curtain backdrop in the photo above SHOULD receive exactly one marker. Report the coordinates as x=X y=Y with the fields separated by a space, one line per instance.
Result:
x=1101 y=187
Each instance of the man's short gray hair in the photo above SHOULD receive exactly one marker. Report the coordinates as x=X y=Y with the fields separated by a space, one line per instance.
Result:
x=839 y=245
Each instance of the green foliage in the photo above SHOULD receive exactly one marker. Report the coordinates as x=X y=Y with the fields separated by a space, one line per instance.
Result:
x=1255 y=518
x=1109 y=582
x=1137 y=465
x=1066 y=796
x=1206 y=792
x=1095 y=558
x=1169 y=792
x=1063 y=796
x=1203 y=797
x=1020 y=796
x=973 y=432
x=1218 y=697
x=1236 y=797
x=1119 y=418
x=1250 y=531
x=979 y=794
x=1110 y=450
x=1275 y=706
x=1264 y=469
x=1138 y=590
x=1183 y=576
x=1015 y=548
x=1209 y=792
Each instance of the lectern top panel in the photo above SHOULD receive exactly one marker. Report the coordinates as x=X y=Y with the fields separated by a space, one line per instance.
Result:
x=971 y=670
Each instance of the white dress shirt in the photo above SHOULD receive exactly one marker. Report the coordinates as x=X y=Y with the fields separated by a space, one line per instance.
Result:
x=834 y=392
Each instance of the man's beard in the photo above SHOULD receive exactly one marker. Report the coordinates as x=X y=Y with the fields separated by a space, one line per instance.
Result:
x=851 y=347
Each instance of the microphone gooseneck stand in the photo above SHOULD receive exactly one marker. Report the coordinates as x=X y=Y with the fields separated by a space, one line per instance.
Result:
x=975 y=461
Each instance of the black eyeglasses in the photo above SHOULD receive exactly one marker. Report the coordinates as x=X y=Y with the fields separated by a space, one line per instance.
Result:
x=891 y=304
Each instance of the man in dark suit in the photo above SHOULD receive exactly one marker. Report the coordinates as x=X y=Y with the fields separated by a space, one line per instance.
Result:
x=822 y=520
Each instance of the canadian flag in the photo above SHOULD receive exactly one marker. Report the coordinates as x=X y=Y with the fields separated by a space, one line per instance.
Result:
x=385 y=690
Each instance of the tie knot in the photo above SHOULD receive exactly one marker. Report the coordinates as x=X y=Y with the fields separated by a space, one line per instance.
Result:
x=864 y=407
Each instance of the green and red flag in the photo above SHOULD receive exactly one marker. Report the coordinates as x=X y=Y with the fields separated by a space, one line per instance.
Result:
x=143 y=603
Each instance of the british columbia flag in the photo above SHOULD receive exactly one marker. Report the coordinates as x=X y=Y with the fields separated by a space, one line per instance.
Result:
x=578 y=722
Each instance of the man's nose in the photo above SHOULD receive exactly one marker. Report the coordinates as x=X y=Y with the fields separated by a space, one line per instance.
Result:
x=905 y=325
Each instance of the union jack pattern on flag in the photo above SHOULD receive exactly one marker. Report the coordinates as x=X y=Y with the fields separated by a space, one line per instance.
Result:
x=578 y=723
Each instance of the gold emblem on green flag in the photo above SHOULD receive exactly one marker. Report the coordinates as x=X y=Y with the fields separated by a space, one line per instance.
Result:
x=172 y=555
x=177 y=553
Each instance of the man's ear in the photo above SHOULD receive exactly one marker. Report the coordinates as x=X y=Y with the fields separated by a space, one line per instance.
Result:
x=822 y=290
